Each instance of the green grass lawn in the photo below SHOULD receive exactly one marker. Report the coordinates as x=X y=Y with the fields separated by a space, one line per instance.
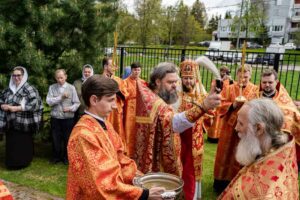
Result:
x=50 y=178
x=40 y=174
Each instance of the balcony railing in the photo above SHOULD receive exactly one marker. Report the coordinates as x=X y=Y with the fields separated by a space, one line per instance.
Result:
x=296 y=18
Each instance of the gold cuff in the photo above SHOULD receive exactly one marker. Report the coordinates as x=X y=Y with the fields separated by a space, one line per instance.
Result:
x=194 y=113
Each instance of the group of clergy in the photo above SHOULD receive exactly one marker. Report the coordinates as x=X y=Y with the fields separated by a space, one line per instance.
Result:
x=148 y=115
x=130 y=127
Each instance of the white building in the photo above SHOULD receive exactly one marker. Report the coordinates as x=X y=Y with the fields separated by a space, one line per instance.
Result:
x=295 y=18
x=283 y=18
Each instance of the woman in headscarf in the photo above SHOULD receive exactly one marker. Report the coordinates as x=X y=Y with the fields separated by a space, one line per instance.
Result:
x=87 y=71
x=20 y=117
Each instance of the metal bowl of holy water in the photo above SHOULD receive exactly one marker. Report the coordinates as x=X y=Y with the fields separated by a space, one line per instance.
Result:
x=173 y=184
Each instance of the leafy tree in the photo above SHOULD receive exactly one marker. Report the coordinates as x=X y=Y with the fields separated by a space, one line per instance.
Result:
x=127 y=27
x=213 y=24
x=199 y=13
x=253 y=20
x=186 y=27
x=297 y=37
x=45 y=35
x=262 y=35
x=148 y=12
x=258 y=18
x=228 y=15
x=167 y=25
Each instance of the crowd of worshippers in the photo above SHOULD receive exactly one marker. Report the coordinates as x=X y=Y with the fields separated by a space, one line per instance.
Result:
x=110 y=130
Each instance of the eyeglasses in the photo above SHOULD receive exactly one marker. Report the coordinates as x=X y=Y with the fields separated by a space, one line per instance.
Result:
x=17 y=75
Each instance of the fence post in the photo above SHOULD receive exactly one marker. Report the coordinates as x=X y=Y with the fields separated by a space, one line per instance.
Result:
x=121 y=61
x=182 y=55
x=276 y=61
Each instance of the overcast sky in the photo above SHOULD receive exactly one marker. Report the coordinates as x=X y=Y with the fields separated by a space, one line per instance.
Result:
x=213 y=7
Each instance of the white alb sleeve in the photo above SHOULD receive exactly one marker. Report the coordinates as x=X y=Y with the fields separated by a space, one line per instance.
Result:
x=180 y=123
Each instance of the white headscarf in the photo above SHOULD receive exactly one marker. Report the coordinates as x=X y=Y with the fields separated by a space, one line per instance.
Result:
x=13 y=86
x=87 y=66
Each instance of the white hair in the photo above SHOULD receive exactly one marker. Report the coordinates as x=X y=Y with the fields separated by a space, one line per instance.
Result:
x=265 y=112
x=248 y=148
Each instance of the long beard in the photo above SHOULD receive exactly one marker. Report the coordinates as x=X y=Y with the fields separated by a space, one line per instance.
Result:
x=187 y=88
x=248 y=148
x=168 y=97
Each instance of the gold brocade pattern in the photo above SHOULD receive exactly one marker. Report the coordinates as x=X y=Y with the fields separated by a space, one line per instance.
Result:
x=194 y=113
x=157 y=148
x=196 y=131
x=226 y=167
x=98 y=167
x=188 y=68
x=274 y=176
x=130 y=113
x=290 y=111
x=153 y=112
x=4 y=192
x=116 y=116
x=215 y=130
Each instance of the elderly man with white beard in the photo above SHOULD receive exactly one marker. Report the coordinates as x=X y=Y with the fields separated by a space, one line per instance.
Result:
x=267 y=154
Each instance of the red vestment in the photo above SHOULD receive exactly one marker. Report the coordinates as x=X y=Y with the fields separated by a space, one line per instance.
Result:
x=116 y=116
x=226 y=167
x=4 y=192
x=192 y=147
x=274 y=176
x=157 y=147
x=291 y=115
x=130 y=113
x=98 y=168
x=213 y=132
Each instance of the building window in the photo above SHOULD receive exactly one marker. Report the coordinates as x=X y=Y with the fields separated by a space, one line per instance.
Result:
x=277 y=28
x=278 y=2
x=295 y=25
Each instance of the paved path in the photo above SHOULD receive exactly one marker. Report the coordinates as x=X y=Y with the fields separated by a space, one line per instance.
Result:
x=25 y=193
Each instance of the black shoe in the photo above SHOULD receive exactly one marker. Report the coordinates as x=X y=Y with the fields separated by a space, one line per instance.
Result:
x=54 y=161
x=16 y=167
x=66 y=162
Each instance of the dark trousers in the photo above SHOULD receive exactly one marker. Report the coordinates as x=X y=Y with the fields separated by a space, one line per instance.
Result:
x=61 y=130
x=19 y=149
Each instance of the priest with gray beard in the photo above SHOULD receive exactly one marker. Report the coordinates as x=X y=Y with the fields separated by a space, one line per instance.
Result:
x=156 y=146
x=267 y=154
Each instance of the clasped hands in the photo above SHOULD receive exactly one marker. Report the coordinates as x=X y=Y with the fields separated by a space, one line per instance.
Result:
x=7 y=107
x=66 y=95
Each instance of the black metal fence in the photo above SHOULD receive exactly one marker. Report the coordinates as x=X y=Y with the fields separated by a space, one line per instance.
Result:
x=287 y=65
